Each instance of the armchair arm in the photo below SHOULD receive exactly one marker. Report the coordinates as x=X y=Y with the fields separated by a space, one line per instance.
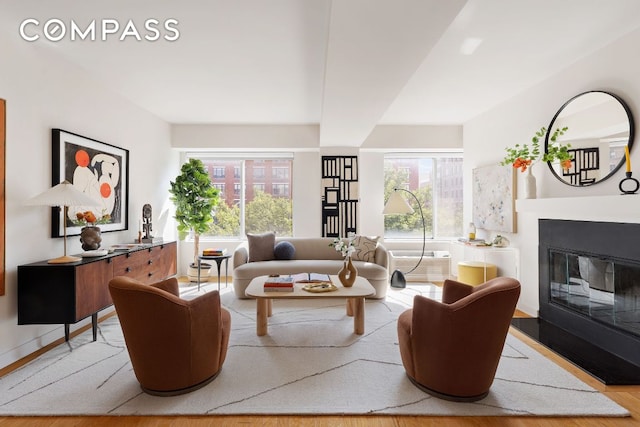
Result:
x=170 y=285
x=206 y=327
x=241 y=254
x=452 y=291
x=382 y=256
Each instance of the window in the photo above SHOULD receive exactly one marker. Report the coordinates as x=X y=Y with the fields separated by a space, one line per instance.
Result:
x=436 y=180
x=256 y=204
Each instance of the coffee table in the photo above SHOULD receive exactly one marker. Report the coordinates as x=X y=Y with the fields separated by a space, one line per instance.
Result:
x=354 y=296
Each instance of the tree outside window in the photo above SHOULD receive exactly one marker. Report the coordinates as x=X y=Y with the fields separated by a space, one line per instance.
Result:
x=437 y=183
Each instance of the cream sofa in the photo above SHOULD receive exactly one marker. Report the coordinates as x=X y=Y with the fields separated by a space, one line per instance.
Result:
x=312 y=255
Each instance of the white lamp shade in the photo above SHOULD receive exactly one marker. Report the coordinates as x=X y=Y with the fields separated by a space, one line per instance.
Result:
x=397 y=205
x=63 y=194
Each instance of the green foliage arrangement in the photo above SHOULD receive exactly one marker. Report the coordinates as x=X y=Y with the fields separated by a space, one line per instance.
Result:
x=523 y=157
x=195 y=198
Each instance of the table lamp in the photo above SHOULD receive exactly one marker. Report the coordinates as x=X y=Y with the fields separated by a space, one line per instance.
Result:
x=63 y=195
x=397 y=205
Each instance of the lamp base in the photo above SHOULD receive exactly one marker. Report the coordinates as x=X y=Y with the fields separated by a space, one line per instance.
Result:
x=398 y=280
x=66 y=259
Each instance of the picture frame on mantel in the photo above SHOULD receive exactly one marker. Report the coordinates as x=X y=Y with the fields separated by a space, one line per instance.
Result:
x=99 y=169
x=494 y=195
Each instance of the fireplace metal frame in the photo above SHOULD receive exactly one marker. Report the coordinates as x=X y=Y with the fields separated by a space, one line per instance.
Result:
x=604 y=240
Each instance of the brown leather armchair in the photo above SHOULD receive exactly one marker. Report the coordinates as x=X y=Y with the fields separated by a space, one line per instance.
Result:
x=175 y=345
x=451 y=349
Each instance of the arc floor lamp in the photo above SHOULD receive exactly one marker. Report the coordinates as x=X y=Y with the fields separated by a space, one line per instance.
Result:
x=398 y=205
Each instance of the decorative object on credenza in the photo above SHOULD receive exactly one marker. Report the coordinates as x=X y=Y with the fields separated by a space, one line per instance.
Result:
x=62 y=195
x=523 y=157
x=90 y=238
x=601 y=126
x=500 y=241
x=397 y=205
x=340 y=196
x=493 y=203
x=99 y=170
x=194 y=197
x=628 y=185
x=147 y=226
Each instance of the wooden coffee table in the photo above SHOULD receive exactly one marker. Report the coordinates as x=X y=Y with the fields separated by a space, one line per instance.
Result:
x=354 y=295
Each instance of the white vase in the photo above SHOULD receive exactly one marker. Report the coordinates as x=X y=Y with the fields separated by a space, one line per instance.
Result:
x=530 y=191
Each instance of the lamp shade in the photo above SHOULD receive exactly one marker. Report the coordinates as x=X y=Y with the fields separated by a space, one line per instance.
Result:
x=63 y=194
x=397 y=205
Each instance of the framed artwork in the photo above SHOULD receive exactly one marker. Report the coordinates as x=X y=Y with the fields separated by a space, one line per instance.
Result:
x=97 y=169
x=494 y=195
x=339 y=195
x=3 y=133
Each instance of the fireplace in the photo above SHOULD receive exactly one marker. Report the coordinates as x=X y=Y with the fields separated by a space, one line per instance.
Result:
x=590 y=291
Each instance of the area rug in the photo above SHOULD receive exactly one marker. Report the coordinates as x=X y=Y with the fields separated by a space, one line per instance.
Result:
x=311 y=362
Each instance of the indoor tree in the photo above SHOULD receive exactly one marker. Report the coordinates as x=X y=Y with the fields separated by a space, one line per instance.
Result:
x=195 y=198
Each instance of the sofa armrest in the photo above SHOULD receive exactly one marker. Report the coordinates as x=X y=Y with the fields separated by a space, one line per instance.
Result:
x=382 y=256
x=241 y=254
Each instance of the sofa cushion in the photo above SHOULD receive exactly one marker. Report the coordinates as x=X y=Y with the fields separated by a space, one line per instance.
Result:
x=284 y=250
x=365 y=248
x=261 y=246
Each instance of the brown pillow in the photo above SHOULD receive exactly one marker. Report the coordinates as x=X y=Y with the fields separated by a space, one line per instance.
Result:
x=261 y=246
x=365 y=248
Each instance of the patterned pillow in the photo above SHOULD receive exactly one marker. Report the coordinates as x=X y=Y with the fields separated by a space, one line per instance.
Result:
x=261 y=246
x=365 y=248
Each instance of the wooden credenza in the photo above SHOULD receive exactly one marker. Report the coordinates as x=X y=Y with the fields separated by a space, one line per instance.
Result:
x=68 y=293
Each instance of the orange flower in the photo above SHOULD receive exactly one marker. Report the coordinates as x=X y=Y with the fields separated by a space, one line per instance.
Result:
x=566 y=164
x=79 y=216
x=522 y=163
x=90 y=217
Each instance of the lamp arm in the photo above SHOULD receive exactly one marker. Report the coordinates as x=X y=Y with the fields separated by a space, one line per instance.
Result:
x=424 y=228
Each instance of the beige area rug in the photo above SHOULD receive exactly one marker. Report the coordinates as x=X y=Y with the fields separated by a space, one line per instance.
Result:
x=310 y=363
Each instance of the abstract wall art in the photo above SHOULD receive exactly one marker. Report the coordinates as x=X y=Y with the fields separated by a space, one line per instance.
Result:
x=339 y=195
x=494 y=190
x=97 y=169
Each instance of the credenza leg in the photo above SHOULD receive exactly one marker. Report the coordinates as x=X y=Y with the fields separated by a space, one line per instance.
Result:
x=94 y=325
x=66 y=332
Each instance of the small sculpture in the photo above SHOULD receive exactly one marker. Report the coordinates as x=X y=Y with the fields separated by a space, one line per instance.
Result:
x=146 y=219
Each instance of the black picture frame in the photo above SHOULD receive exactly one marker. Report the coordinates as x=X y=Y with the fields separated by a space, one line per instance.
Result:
x=96 y=168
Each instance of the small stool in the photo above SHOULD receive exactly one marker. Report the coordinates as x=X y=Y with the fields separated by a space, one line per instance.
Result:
x=475 y=272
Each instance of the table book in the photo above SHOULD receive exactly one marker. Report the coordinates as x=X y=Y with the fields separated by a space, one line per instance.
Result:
x=311 y=278
x=279 y=284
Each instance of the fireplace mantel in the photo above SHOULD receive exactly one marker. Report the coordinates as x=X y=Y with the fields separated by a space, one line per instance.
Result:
x=593 y=208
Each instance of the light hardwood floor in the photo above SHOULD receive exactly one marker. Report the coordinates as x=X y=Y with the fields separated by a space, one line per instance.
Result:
x=626 y=396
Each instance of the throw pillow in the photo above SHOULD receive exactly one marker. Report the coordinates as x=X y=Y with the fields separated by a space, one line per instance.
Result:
x=261 y=246
x=284 y=250
x=365 y=248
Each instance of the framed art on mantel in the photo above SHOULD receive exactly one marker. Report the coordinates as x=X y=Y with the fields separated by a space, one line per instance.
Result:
x=494 y=194
x=98 y=169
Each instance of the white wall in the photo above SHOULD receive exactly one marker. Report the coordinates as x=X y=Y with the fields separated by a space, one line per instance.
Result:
x=614 y=69
x=44 y=92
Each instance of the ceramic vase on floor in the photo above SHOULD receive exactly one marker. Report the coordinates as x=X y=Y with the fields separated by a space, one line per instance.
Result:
x=530 y=190
x=90 y=237
x=348 y=273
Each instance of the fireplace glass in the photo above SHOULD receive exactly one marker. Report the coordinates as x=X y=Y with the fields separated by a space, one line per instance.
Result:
x=607 y=291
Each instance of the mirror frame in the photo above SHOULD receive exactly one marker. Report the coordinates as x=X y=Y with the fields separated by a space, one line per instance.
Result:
x=629 y=142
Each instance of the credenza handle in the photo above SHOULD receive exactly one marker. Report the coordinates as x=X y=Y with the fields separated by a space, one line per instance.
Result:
x=128 y=269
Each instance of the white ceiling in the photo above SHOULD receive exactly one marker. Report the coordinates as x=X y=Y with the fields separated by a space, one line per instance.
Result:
x=347 y=65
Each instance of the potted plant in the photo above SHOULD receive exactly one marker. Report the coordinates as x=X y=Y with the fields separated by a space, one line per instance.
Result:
x=524 y=157
x=194 y=197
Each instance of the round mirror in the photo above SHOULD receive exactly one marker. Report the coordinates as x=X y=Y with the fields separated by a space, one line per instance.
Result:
x=599 y=126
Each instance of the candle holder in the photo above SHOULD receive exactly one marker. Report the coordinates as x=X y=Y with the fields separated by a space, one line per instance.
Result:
x=632 y=184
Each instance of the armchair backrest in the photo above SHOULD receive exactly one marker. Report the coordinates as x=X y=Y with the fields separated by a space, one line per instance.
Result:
x=463 y=337
x=170 y=340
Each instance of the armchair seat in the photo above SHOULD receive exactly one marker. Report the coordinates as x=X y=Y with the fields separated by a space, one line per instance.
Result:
x=175 y=345
x=451 y=349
